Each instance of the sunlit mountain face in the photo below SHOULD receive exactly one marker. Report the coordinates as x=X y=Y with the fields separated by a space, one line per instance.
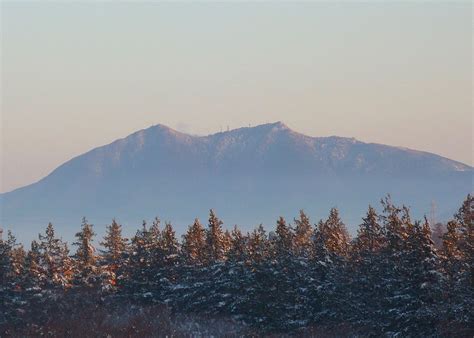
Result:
x=247 y=175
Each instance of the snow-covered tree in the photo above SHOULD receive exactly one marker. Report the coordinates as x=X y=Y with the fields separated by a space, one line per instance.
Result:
x=194 y=244
x=283 y=241
x=114 y=254
x=53 y=256
x=87 y=270
x=215 y=244
x=302 y=244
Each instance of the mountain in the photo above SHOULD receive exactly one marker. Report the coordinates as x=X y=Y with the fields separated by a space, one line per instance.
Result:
x=249 y=175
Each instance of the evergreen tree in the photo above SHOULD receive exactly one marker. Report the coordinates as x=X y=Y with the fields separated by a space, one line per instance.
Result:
x=34 y=272
x=457 y=259
x=215 y=246
x=364 y=304
x=451 y=253
x=258 y=245
x=141 y=261
x=283 y=241
x=194 y=244
x=169 y=245
x=421 y=282
x=465 y=218
x=389 y=281
x=302 y=236
x=238 y=249
x=12 y=258
x=114 y=254
x=337 y=237
x=370 y=237
x=86 y=258
x=51 y=258
x=395 y=221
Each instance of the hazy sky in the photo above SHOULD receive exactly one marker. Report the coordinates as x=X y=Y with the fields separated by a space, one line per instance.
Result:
x=79 y=75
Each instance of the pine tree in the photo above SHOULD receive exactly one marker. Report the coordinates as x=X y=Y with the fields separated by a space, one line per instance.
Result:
x=364 y=304
x=451 y=253
x=321 y=275
x=51 y=249
x=215 y=247
x=194 y=244
x=370 y=237
x=169 y=246
x=421 y=282
x=465 y=218
x=86 y=258
x=337 y=237
x=394 y=219
x=144 y=261
x=457 y=258
x=227 y=242
x=283 y=241
x=396 y=222
x=238 y=249
x=5 y=267
x=18 y=256
x=258 y=245
x=34 y=272
x=11 y=275
x=302 y=243
x=114 y=254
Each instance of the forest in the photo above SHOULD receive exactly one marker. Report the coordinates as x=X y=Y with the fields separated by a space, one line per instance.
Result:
x=397 y=277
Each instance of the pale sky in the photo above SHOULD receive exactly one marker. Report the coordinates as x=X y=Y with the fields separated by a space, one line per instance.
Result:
x=79 y=75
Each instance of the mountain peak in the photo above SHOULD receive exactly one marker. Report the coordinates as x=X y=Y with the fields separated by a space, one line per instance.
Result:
x=280 y=124
x=268 y=127
x=251 y=169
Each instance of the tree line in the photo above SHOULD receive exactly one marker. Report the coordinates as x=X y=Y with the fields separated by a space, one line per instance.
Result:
x=390 y=279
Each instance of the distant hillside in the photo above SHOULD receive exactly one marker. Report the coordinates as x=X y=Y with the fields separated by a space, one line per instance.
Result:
x=246 y=174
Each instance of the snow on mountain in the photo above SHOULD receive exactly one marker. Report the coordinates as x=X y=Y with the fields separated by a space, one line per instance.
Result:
x=246 y=174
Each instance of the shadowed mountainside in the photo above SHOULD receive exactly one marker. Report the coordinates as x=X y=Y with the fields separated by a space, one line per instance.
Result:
x=246 y=174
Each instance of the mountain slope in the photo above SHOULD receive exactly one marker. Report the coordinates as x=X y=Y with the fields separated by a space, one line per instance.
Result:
x=247 y=174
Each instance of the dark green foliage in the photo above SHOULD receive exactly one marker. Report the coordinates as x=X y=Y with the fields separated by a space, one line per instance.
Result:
x=390 y=280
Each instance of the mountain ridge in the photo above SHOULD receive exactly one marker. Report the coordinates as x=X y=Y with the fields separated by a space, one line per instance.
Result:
x=268 y=168
x=275 y=126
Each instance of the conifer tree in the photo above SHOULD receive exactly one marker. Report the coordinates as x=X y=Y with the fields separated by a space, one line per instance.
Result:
x=34 y=273
x=18 y=256
x=451 y=253
x=169 y=245
x=284 y=239
x=465 y=219
x=370 y=237
x=458 y=246
x=146 y=258
x=421 y=282
x=54 y=260
x=396 y=222
x=115 y=245
x=337 y=237
x=8 y=279
x=113 y=255
x=364 y=297
x=194 y=244
x=86 y=258
x=302 y=236
x=258 y=245
x=238 y=250
x=215 y=246
x=227 y=242
x=155 y=234
x=5 y=260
